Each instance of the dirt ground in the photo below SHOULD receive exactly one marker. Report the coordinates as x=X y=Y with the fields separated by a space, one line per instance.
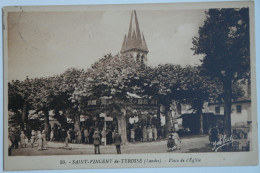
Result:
x=198 y=143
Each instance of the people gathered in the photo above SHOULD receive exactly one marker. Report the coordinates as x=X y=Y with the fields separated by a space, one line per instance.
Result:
x=40 y=139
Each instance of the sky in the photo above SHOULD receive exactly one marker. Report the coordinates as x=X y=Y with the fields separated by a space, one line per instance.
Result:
x=42 y=44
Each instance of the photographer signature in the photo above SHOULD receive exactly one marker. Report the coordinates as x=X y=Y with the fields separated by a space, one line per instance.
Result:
x=223 y=141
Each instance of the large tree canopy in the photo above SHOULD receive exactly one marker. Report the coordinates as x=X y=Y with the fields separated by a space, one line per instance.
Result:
x=224 y=41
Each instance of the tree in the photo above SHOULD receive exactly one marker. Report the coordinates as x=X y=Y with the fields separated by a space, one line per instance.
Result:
x=160 y=82
x=15 y=102
x=68 y=86
x=196 y=89
x=109 y=77
x=42 y=96
x=19 y=98
x=224 y=42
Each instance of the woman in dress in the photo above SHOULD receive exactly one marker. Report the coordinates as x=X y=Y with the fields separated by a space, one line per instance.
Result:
x=150 y=134
x=177 y=141
x=32 y=137
x=132 y=135
x=22 y=139
x=79 y=139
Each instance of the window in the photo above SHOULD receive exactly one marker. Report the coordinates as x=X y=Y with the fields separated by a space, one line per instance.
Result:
x=154 y=102
x=137 y=57
x=92 y=102
x=217 y=109
x=249 y=89
x=142 y=101
x=104 y=102
x=239 y=108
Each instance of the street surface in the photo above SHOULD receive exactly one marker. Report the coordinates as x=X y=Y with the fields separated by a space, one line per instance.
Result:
x=198 y=143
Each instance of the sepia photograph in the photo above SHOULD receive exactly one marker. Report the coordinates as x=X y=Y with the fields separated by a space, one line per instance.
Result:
x=119 y=82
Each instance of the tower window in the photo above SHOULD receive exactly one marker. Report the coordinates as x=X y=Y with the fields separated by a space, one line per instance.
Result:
x=142 y=59
x=239 y=108
x=137 y=57
x=217 y=109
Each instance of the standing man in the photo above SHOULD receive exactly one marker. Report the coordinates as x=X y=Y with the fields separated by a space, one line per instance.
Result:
x=118 y=142
x=154 y=133
x=96 y=138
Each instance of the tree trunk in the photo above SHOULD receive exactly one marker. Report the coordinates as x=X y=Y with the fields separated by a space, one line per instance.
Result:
x=167 y=119
x=24 y=115
x=46 y=122
x=121 y=121
x=199 y=113
x=60 y=118
x=227 y=108
x=158 y=125
x=77 y=121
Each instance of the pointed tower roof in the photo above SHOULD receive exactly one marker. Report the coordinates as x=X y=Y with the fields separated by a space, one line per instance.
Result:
x=134 y=39
x=144 y=43
x=124 y=44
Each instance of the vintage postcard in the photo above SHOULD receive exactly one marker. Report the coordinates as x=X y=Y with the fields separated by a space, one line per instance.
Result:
x=123 y=86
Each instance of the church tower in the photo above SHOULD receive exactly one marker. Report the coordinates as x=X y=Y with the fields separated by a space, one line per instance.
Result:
x=134 y=43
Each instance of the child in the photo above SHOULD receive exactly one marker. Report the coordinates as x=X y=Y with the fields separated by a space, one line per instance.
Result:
x=170 y=143
x=150 y=134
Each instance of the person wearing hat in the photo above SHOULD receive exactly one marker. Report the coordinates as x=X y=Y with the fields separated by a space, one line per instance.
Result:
x=96 y=142
x=118 y=142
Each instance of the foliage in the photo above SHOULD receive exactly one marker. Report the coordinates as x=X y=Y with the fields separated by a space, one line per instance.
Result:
x=224 y=40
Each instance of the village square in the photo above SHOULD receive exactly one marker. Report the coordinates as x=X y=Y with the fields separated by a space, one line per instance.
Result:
x=122 y=105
